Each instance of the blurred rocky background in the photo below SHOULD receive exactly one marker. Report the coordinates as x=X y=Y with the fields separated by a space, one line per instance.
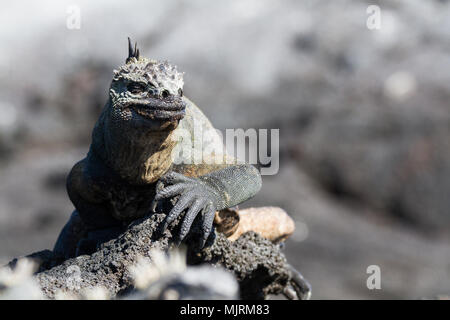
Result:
x=364 y=119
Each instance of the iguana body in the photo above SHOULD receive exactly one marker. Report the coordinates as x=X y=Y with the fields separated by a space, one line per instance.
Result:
x=135 y=161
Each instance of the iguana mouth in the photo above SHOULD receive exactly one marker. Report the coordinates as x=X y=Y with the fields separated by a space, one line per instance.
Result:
x=155 y=109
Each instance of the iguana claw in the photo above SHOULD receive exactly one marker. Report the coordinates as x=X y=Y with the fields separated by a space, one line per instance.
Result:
x=299 y=288
x=195 y=197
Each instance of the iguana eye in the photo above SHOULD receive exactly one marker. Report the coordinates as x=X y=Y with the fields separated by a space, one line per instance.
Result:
x=135 y=88
x=180 y=92
x=165 y=93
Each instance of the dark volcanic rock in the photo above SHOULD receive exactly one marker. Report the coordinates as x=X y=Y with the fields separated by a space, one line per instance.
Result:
x=258 y=265
x=256 y=262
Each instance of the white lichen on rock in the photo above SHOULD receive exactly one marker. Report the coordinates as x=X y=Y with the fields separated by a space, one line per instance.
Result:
x=167 y=277
x=19 y=283
x=159 y=276
x=149 y=270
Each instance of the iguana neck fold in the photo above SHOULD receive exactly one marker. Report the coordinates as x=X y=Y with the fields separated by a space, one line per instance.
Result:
x=138 y=155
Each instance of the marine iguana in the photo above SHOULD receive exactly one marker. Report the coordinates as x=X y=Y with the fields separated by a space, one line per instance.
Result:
x=134 y=161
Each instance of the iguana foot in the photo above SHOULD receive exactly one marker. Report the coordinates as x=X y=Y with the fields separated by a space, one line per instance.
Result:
x=298 y=288
x=66 y=244
x=195 y=196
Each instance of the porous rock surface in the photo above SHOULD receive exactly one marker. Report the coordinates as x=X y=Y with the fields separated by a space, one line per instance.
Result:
x=257 y=263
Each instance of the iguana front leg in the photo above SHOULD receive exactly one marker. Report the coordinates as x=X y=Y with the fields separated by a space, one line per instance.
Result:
x=206 y=194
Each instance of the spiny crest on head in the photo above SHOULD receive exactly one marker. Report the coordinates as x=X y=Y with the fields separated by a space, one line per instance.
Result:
x=132 y=53
x=159 y=73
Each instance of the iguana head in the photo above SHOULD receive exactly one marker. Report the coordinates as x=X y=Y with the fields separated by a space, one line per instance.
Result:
x=146 y=93
x=134 y=134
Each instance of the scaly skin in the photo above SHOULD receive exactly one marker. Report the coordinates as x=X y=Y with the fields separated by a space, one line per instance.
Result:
x=131 y=167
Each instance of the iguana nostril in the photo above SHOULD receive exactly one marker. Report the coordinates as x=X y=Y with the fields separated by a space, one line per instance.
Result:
x=165 y=93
